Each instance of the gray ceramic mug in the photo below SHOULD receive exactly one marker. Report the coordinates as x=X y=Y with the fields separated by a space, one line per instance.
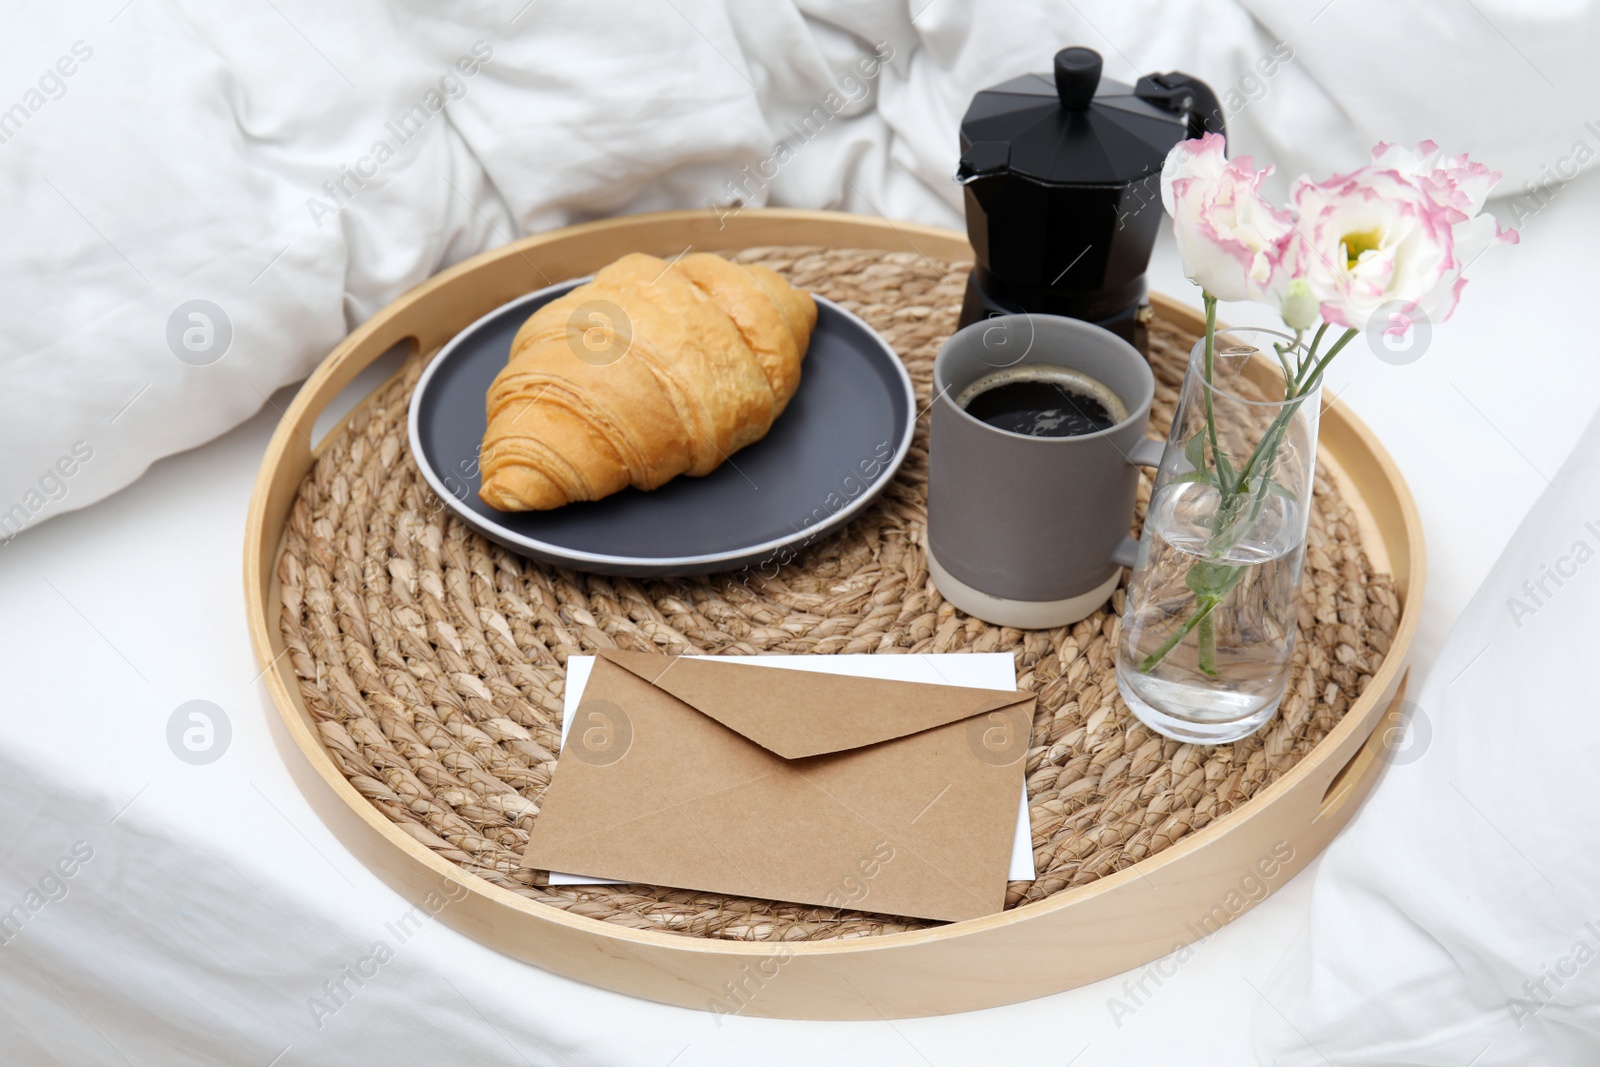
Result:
x=1032 y=532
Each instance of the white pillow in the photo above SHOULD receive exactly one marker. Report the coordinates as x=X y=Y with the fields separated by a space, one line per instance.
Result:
x=1457 y=920
x=217 y=180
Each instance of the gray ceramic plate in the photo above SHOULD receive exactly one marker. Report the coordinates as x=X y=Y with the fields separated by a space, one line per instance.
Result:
x=842 y=437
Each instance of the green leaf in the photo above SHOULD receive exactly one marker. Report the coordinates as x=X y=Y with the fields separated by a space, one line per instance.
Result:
x=1210 y=581
x=1283 y=491
x=1193 y=476
x=1224 y=469
x=1195 y=450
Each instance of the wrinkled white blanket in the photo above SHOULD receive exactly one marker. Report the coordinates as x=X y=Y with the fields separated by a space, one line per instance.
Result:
x=1456 y=919
x=199 y=200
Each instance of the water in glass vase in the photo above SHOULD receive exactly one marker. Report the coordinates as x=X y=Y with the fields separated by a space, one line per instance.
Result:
x=1206 y=646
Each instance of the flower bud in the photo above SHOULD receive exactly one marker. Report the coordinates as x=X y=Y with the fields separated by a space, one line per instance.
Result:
x=1301 y=308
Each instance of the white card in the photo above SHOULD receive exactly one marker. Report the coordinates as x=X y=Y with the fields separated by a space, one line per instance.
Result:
x=971 y=670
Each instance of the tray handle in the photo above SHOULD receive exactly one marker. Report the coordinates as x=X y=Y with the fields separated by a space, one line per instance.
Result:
x=1355 y=779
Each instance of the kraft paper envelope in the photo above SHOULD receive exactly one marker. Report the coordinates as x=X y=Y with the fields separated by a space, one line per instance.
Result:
x=884 y=796
x=972 y=670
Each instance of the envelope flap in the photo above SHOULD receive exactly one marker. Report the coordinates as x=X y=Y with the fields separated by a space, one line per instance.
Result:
x=799 y=713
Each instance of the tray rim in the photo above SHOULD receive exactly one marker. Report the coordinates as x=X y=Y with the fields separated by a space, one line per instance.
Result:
x=666 y=566
x=1336 y=774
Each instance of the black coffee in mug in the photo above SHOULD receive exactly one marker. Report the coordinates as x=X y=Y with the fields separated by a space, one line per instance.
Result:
x=1043 y=400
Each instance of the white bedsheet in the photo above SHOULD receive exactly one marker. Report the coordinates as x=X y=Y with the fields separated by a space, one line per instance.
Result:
x=1457 y=916
x=176 y=166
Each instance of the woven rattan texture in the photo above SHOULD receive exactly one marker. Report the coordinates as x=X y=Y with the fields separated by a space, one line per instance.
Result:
x=433 y=661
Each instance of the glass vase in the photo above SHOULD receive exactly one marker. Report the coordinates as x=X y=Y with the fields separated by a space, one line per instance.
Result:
x=1208 y=628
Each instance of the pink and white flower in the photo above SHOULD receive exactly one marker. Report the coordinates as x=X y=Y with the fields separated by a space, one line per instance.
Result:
x=1456 y=181
x=1401 y=229
x=1230 y=237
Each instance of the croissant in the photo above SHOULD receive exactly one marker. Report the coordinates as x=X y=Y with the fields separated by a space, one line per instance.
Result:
x=649 y=371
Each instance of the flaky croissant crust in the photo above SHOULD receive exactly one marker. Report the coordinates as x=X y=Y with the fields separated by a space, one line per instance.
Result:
x=649 y=371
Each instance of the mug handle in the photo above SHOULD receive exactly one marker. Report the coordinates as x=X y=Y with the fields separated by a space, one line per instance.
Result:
x=1146 y=453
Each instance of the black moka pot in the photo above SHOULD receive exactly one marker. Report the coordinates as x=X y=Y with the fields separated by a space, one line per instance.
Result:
x=1063 y=190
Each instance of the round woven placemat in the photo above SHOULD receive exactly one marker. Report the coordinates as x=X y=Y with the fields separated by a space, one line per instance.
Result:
x=433 y=661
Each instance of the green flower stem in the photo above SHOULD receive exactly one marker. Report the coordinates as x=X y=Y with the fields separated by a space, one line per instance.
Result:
x=1150 y=661
x=1205 y=605
x=1283 y=361
x=1311 y=353
x=1268 y=444
x=1210 y=592
x=1211 y=348
x=1206 y=638
x=1316 y=372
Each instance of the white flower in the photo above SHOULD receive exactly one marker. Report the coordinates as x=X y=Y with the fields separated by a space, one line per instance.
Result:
x=1230 y=238
x=1402 y=229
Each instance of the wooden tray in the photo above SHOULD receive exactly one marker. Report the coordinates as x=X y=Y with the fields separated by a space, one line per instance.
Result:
x=1072 y=938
